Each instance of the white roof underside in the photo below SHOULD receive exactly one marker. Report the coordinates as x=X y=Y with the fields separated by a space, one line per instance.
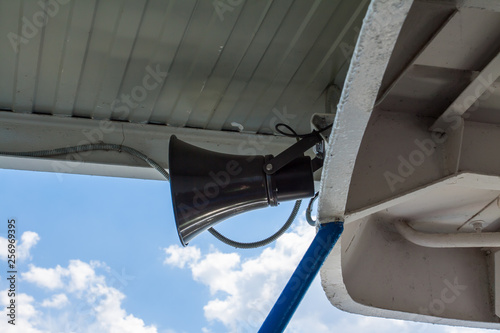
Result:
x=231 y=64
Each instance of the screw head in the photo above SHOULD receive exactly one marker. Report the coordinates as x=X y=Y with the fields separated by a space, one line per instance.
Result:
x=269 y=167
x=477 y=225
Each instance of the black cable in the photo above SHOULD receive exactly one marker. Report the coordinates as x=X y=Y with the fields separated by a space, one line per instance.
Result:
x=294 y=134
x=309 y=210
x=263 y=242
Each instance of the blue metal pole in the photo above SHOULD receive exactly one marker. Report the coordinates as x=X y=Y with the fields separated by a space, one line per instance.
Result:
x=304 y=274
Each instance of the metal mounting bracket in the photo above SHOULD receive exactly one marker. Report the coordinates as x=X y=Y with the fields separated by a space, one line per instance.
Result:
x=291 y=153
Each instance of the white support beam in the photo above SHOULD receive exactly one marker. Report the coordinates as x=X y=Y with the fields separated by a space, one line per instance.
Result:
x=374 y=47
x=469 y=96
x=29 y=132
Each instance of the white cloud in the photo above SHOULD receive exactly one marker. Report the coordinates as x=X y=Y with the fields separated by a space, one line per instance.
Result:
x=181 y=256
x=50 y=278
x=23 y=245
x=56 y=301
x=26 y=318
x=372 y=324
x=244 y=291
x=28 y=240
x=112 y=318
x=82 y=276
x=219 y=271
x=89 y=302
x=358 y=323
x=463 y=330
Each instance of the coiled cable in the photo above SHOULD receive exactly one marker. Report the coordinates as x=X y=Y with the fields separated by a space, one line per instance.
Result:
x=309 y=210
x=263 y=242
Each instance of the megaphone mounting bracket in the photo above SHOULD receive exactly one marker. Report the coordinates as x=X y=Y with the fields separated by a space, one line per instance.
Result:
x=296 y=150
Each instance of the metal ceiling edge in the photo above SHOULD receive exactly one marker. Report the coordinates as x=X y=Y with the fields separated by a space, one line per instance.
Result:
x=30 y=132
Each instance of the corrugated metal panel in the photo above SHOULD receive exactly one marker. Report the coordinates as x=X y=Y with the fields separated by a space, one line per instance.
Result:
x=227 y=61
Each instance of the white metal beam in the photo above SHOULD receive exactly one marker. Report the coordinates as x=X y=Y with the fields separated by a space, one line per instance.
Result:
x=469 y=96
x=29 y=132
x=376 y=41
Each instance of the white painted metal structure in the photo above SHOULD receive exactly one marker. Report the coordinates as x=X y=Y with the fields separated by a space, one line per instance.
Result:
x=413 y=167
x=413 y=149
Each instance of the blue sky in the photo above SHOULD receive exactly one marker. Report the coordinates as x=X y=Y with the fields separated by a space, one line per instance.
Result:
x=100 y=254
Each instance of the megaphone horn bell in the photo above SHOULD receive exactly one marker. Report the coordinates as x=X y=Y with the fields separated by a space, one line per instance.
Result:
x=208 y=187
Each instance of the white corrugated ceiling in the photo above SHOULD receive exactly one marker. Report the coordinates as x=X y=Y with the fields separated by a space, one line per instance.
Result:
x=227 y=61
